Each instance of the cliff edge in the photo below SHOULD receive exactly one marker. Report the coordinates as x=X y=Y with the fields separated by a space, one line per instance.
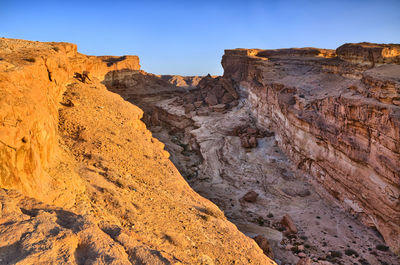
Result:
x=82 y=179
x=337 y=116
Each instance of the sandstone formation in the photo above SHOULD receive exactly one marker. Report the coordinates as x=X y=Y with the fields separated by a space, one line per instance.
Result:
x=182 y=81
x=82 y=179
x=370 y=53
x=336 y=117
x=206 y=145
x=84 y=182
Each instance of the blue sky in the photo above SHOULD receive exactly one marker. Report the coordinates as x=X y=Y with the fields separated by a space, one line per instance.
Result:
x=189 y=37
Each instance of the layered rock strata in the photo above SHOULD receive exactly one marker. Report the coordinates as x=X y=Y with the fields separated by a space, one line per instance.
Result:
x=336 y=114
x=82 y=179
x=227 y=158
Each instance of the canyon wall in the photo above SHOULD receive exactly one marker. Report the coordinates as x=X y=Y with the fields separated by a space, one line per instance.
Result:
x=82 y=180
x=33 y=77
x=337 y=116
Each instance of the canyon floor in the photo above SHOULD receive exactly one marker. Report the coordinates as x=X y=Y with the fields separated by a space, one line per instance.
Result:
x=206 y=148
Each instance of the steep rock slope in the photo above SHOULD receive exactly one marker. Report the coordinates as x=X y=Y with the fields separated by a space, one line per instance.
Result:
x=33 y=76
x=84 y=182
x=337 y=116
x=216 y=144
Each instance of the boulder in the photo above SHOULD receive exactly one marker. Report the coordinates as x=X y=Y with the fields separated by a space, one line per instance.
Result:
x=253 y=142
x=198 y=104
x=211 y=99
x=263 y=243
x=244 y=141
x=219 y=107
x=250 y=196
x=252 y=131
x=304 y=261
x=227 y=98
x=188 y=108
x=202 y=112
x=288 y=223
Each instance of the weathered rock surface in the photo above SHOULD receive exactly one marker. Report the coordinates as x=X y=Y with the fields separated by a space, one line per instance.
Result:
x=288 y=223
x=370 y=53
x=250 y=196
x=187 y=82
x=337 y=118
x=84 y=182
x=264 y=245
x=205 y=145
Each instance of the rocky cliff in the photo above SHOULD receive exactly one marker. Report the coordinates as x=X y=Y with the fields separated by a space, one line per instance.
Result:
x=227 y=156
x=82 y=179
x=336 y=114
x=33 y=77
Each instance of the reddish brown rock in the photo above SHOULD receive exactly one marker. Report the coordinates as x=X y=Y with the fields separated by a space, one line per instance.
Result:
x=253 y=142
x=244 y=141
x=228 y=86
x=198 y=104
x=304 y=261
x=211 y=99
x=252 y=131
x=189 y=98
x=234 y=103
x=202 y=112
x=188 y=108
x=347 y=139
x=214 y=91
x=219 y=108
x=288 y=223
x=250 y=196
x=369 y=53
x=237 y=131
x=264 y=245
x=227 y=98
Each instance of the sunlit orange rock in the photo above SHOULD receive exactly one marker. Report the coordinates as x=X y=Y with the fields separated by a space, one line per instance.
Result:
x=83 y=181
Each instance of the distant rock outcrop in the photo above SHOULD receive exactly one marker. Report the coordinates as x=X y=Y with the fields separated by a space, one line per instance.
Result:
x=369 y=53
x=182 y=81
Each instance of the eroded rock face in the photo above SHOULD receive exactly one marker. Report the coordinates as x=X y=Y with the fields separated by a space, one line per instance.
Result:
x=31 y=86
x=338 y=121
x=206 y=146
x=32 y=79
x=83 y=181
x=370 y=53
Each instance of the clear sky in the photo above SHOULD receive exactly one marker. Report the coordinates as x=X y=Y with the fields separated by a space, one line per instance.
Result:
x=189 y=37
